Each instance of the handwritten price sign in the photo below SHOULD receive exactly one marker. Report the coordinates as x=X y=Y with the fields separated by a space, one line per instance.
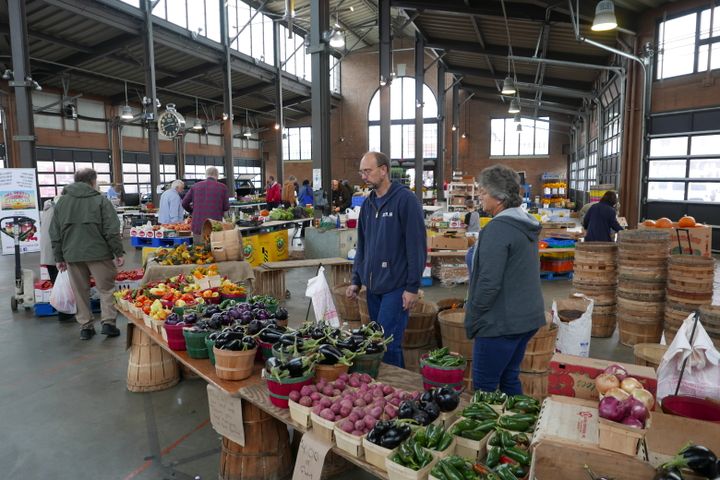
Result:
x=310 y=458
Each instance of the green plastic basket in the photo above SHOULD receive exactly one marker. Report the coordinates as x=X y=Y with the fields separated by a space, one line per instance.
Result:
x=195 y=343
x=209 y=344
x=368 y=363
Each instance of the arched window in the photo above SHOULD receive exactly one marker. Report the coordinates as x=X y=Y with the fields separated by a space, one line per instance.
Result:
x=402 y=121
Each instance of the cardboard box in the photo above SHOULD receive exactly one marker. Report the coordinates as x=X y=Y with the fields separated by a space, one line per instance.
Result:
x=573 y=376
x=700 y=240
x=448 y=242
x=566 y=439
x=274 y=246
x=251 y=250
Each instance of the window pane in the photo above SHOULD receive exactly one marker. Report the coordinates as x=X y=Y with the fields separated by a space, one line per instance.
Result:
x=176 y=13
x=677 y=46
x=212 y=23
x=430 y=108
x=542 y=137
x=306 y=143
x=527 y=142
x=705 y=145
x=244 y=41
x=704 y=192
x=143 y=167
x=374 y=110
x=143 y=178
x=709 y=168
x=269 y=39
x=130 y=188
x=103 y=178
x=47 y=192
x=102 y=167
x=129 y=178
x=511 y=137
x=668 y=147
x=409 y=98
x=396 y=98
x=196 y=15
x=64 y=167
x=374 y=138
x=667 y=169
x=45 y=166
x=408 y=141
x=129 y=167
x=497 y=134
x=65 y=178
x=666 y=191
x=430 y=140
x=396 y=142
x=81 y=165
x=46 y=179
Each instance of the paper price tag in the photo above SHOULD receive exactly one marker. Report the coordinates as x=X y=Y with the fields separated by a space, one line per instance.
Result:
x=226 y=415
x=310 y=458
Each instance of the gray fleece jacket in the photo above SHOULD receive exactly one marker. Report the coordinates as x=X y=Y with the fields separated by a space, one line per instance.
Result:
x=505 y=295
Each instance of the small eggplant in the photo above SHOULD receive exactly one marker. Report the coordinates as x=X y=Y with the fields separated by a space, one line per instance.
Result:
x=700 y=460
x=406 y=409
x=295 y=367
x=330 y=355
x=271 y=363
x=248 y=343
x=431 y=408
x=375 y=348
x=427 y=396
x=374 y=327
x=291 y=339
x=446 y=398
x=670 y=473
x=281 y=314
x=422 y=417
x=253 y=327
x=271 y=335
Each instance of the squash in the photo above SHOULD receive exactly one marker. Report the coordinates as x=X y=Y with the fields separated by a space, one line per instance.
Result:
x=649 y=223
x=663 y=222
x=264 y=213
x=686 y=222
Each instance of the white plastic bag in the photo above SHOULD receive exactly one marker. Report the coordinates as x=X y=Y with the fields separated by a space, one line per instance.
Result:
x=322 y=300
x=702 y=371
x=62 y=297
x=574 y=337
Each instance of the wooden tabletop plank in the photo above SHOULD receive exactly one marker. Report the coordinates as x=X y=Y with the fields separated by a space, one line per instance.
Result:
x=310 y=262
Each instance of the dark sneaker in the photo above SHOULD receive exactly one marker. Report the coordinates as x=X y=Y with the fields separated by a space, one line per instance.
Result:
x=110 y=330
x=65 y=318
x=87 y=333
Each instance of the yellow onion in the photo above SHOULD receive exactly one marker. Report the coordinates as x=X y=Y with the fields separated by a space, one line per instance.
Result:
x=629 y=384
x=645 y=397
x=606 y=381
x=618 y=393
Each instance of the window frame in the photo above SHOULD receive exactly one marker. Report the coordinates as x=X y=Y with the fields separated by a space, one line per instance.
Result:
x=524 y=123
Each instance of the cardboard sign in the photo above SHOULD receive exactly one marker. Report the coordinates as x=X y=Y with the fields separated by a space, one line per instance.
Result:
x=310 y=457
x=226 y=415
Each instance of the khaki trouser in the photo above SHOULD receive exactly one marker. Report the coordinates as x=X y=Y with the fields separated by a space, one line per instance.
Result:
x=104 y=272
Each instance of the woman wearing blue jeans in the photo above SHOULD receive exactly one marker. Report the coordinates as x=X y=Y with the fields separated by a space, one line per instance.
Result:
x=505 y=305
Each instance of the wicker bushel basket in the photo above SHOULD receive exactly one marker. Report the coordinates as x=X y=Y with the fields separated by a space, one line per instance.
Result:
x=347 y=308
x=421 y=325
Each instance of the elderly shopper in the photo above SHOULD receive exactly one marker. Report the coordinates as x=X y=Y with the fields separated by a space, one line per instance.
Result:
x=171 y=209
x=600 y=221
x=505 y=305
x=85 y=235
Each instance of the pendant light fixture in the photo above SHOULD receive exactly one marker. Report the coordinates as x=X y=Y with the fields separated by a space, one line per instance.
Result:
x=519 y=127
x=514 y=106
x=508 y=86
x=197 y=124
x=127 y=113
x=604 y=16
x=517 y=118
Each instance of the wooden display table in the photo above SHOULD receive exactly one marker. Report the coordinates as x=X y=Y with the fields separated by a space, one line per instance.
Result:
x=266 y=454
x=270 y=276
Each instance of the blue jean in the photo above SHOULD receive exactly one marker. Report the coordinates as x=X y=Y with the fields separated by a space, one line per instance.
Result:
x=387 y=310
x=496 y=362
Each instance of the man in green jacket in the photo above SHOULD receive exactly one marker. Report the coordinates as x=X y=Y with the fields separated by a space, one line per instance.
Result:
x=85 y=235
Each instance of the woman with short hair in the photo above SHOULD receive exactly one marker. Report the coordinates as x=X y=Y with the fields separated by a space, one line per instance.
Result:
x=505 y=305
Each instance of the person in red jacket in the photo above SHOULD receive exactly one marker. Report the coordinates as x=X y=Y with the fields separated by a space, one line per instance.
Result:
x=206 y=200
x=273 y=195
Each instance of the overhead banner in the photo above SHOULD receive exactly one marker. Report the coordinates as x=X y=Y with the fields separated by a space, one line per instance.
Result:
x=19 y=207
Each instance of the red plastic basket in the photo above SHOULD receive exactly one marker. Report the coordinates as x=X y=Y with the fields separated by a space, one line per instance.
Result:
x=265 y=350
x=691 y=407
x=175 y=337
x=280 y=388
x=435 y=376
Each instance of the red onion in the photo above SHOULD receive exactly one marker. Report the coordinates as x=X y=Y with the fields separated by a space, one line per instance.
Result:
x=612 y=409
x=632 y=422
x=637 y=409
x=618 y=370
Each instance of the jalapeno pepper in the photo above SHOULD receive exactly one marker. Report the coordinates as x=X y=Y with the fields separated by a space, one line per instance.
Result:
x=520 y=456
x=514 y=424
x=451 y=472
x=493 y=457
x=504 y=472
x=444 y=442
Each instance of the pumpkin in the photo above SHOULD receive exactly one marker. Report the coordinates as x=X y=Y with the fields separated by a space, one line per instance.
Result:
x=686 y=222
x=649 y=223
x=663 y=222
x=264 y=213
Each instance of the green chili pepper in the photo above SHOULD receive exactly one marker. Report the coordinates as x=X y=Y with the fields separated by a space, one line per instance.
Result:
x=455 y=461
x=512 y=423
x=505 y=473
x=420 y=454
x=444 y=442
x=506 y=439
x=421 y=436
x=493 y=457
x=437 y=472
x=520 y=456
x=450 y=472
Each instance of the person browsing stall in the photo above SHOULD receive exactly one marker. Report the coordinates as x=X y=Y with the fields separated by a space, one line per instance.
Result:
x=391 y=251
x=600 y=221
x=504 y=306
x=171 y=209
x=85 y=236
x=273 y=194
x=206 y=200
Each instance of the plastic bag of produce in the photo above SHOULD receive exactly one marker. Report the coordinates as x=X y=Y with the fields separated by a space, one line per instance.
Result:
x=702 y=371
x=62 y=297
x=573 y=317
x=319 y=291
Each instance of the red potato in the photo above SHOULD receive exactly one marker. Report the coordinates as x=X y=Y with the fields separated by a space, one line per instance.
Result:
x=325 y=402
x=369 y=421
x=358 y=433
x=344 y=412
x=359 y=425
x=335 y=408
x=327 y=414
x=315 y=396
x=359 y=402
x=347 y=426
x=353 y=417
x=294 y=396
x=307 y=390
x=306 y=401
x=317 y=409
x=328 y=391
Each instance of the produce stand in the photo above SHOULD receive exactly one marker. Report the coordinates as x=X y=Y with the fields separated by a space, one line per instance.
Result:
x=239 y=271
x=254 y=391
x=273 y=225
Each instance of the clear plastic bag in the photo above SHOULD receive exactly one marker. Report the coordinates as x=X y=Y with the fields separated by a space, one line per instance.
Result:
x=62 y=297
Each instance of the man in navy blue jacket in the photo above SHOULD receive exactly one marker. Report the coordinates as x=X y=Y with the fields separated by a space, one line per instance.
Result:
x=391 y=251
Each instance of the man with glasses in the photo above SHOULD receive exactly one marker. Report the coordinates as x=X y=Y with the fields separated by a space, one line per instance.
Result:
x=391 y=251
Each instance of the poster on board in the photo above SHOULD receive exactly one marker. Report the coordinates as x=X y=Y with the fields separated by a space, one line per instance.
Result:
x=19 y=205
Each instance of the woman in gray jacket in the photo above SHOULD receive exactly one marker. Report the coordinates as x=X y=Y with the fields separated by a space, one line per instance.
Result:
x=505 y=305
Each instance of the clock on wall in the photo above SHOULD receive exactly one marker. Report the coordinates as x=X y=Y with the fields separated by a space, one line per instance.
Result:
x=171 y=123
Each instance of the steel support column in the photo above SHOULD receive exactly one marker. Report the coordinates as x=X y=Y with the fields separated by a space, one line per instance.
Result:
x=385 y=25
x=455 y=130
x=24 y=135
x=278 y=105
x=151 y=108
x=440 y=162
x=227 y=100
x=322 y=163
x=419 y=83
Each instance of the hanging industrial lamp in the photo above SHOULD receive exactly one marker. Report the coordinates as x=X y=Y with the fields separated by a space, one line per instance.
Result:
x=514 y=106
x=126 y=113
x=517 y=118
x=508 y=86
x=604 y=16
x=519 y=127
x=197 y=124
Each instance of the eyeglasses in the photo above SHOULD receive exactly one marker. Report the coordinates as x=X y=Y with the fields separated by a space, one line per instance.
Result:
x=366 y=171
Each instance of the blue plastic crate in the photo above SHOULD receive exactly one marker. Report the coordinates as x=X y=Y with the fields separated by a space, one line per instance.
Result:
x=357 y=201
x=139 y=242
x=44 y=310
x=559 y=242
x=426 y=282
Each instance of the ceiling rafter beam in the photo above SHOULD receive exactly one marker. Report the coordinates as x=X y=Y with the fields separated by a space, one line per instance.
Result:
x=559 y=82
x=5 y=29
x=188 y=74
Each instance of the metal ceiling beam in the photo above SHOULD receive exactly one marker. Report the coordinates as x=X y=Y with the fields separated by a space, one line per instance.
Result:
x=5 y=29
x=100 y=50
x=529 y=103
x=550 y=100
x=534 y=11
x=481 y=41
x=521 y=54
x=557 y=82
x=188 y=74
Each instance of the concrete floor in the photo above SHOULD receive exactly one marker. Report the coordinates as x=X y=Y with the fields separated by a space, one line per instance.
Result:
x=66 y=412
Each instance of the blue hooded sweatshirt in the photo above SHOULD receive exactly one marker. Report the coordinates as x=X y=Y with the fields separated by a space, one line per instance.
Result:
x=392 y=244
